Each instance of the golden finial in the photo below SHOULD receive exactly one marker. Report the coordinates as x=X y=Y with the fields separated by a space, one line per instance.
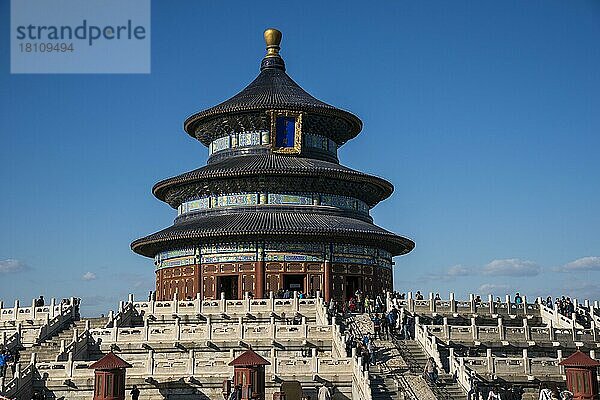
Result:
x=273 y=39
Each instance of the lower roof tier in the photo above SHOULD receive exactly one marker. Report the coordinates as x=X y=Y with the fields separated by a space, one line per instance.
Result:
x=275 y=224
x=272 y=172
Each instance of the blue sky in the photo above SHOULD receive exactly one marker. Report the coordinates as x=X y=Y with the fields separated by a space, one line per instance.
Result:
x=485 y=116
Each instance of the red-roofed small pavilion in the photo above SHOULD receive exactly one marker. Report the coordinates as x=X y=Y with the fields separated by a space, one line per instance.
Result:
x=582 y=379
x=249 y=374
x=109 y=383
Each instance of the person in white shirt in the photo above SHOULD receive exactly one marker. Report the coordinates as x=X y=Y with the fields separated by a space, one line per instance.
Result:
x=494 y=394
x=324 y=393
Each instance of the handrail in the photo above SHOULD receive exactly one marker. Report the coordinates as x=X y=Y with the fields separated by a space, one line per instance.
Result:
x=22 y=380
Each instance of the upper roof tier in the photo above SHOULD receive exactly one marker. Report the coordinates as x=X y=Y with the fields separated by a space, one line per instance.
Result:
x=272 y=89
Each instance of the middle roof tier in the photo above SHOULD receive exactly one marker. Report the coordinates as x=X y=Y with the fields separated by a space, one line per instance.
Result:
x=272 y=173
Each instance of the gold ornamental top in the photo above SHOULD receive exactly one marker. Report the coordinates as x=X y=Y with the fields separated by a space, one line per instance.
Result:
x=273 y=40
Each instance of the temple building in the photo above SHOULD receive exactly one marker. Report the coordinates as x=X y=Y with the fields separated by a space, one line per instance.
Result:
x=273 y=209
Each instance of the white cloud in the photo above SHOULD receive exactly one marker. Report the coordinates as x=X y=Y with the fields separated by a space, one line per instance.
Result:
x=89 y=276
x=511 y=267
x=490 y=288
x=459 y=270
x=582 y=264
x=11 y=266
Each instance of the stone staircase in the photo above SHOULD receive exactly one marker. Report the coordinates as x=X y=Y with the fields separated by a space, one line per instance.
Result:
x=446 y=388
x=49 y=349
x=383 y=387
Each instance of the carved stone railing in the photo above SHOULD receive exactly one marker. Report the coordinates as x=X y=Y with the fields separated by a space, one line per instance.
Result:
x=191 y=363
x=457 y=368
x=26 y=335
x=523 y=333
x=472 y=306
x=361 y=385
x=530 y=367
x=240 y=330
x=19 y=313
x=427 y=341
x=550 y=315
x=12 y=342
x=124 y=316
x=232 y=307
x=78 y=348
x=20 y=383
x=65 y=317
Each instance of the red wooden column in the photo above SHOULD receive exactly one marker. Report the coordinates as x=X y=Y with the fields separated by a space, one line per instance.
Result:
x=582 y=379
x=260 y=274
x=327 y=281
x=109 y=377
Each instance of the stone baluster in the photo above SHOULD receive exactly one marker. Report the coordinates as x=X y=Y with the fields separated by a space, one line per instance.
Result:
x=586 y=303
x=63 y=345
x=191 y=363
x=1 y=307
x=3 y=342
x=111 y=317
x=70 y=364
x=556 y=313
x=472 y=306
x=593 y=354
x=208 y=327
x=388 y=301
x=130 y=298
x=114 y=335
x=491 y=304
x=410 y=302
x=274 y=360
x=551 y=330
x=241 y=327
x=526 y=329
x=273 y=328
x=52 y=312
x=272 y=300
x=175 y=303
x=223 y=303
x=446 y=328
x=146 y=330
x=508 y=305
x=295 y=301
x=489 y=361
x=314 y=361
x=177 y=329
x=452 y=303
x=524 y=304
x=247 y=301
x=33 y=309
x=501 y=330
x=198 y=305
x=593 y=327
x=150 y=361
x=16 y=310
x=431 y=302
x=474 y=332
x=559 y=355
x=526 y=363
x=121 y=306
